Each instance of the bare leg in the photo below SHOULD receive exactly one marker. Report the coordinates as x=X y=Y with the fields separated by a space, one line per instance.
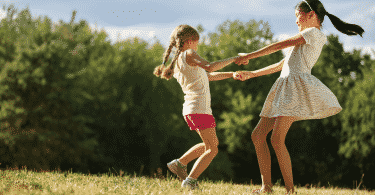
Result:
x=281 y=128
x=211 y=142
x=259 y=136
x=193 y=153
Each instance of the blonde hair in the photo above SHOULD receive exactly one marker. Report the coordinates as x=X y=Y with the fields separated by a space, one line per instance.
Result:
x=179 y=36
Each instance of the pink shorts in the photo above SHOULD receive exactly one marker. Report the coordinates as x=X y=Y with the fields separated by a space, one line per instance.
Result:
x=200 y=121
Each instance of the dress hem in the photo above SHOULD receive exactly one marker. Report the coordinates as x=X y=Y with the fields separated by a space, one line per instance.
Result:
x=318 y=115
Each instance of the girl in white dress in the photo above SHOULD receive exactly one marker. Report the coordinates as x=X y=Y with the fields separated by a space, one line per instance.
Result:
x=296 y=94
x=189 y=69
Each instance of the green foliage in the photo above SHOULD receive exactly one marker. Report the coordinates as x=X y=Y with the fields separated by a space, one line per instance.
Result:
x=37 y=101
x=200 y=28
x=357 y=136
x=237 y=123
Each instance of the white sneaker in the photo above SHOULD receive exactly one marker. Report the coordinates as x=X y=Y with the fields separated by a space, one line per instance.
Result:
x=178 y=169
x=260 y=191
x=190 y=183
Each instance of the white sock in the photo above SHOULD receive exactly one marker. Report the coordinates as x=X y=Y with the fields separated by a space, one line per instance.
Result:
x=190 y=179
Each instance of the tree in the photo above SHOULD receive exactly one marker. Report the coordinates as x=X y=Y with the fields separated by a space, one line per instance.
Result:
x=357 y=135
x=40 y=127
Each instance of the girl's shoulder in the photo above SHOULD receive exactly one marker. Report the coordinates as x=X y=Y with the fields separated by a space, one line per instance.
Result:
x=314 y=33
x=318 y=32
x=185 y=57
x=321 y=35
x=312 y=30
x=191 y=54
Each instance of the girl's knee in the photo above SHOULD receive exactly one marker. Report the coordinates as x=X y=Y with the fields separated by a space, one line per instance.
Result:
x=216 y=144
x=254 y=136
x=213 y=145
x=257 y=136
x=276 y=141
x=214 y=150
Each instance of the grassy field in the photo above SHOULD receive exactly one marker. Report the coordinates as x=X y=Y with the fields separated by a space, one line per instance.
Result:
x=30 y=182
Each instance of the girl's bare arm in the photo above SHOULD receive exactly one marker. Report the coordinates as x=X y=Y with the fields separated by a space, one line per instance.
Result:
x=269 y=69
x=274 y=47
x=193 y=59
x=264 y=71
x=217 y=76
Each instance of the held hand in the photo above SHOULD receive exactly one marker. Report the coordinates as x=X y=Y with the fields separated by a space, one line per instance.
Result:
x=242 y=60
x=242 y=75
x=248 y=75
x=237 y=76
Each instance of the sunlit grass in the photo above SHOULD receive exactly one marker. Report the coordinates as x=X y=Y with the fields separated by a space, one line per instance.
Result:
x=55 y=182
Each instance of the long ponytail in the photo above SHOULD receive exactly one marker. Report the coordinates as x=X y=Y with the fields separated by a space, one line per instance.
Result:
x=315 y=5
x=346 y=28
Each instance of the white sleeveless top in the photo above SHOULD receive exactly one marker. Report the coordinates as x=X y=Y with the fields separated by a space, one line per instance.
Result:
x=195 y=85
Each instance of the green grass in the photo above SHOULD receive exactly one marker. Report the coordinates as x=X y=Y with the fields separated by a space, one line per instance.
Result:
x=55 y=182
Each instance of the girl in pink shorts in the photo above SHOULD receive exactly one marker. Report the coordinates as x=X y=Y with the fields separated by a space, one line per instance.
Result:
x=193 y=73
x=200 y=121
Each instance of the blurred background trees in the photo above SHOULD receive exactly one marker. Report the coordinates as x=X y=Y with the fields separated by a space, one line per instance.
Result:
x=71 y=99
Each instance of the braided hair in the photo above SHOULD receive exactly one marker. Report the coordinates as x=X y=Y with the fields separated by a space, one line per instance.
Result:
x=179 y=36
